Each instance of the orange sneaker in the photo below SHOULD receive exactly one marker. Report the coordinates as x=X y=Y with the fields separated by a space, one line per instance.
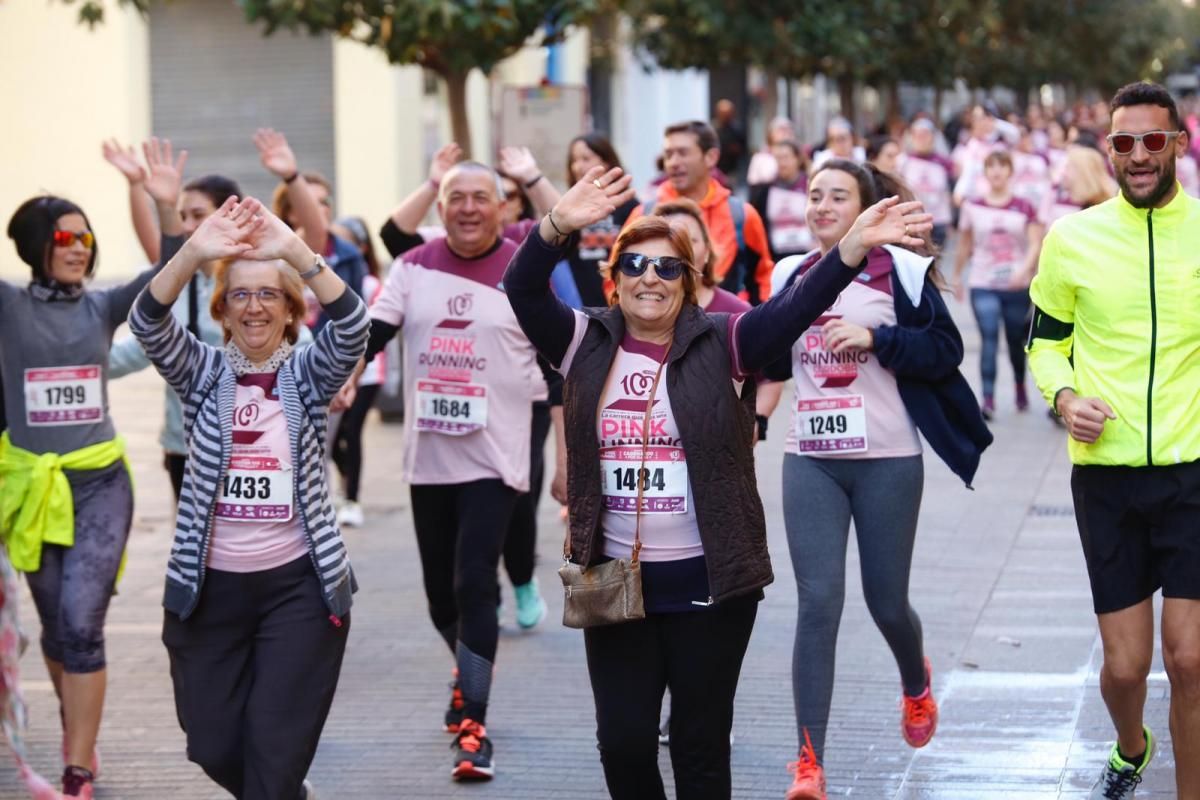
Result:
x=454 y=713
x=919 y=715
x=472 y=753
x=808 y=782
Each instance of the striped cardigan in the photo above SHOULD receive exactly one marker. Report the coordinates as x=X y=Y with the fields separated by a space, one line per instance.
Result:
x=204 y=381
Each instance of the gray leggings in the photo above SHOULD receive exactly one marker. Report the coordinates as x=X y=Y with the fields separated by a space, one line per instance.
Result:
x=820 y=496
x=73 y=587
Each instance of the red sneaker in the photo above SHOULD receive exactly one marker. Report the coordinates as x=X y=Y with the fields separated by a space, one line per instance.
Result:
x=919 y=715
x=454 y=713
x=472 y=753
x=808 y=781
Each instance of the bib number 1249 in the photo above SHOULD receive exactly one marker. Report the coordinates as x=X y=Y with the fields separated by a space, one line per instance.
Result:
x=832 y=424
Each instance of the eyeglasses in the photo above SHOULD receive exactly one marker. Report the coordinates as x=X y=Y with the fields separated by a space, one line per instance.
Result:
x=668 y=268
x=241 y=297
x=68 y=238
x=1154 y=141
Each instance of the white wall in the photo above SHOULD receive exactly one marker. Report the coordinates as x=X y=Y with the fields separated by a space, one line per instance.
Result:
x=65 y=89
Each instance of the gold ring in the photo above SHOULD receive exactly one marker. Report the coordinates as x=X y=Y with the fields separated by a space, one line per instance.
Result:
x=598 y=184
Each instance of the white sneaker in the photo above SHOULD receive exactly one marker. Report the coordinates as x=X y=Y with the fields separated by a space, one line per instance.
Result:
x=350 y=515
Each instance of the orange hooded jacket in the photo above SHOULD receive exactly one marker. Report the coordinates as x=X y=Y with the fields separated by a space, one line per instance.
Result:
x=718 y=217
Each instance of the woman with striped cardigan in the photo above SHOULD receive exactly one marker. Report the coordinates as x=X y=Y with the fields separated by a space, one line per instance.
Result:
x=258 y=582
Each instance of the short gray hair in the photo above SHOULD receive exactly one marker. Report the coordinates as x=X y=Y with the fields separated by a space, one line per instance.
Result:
x=470 y=166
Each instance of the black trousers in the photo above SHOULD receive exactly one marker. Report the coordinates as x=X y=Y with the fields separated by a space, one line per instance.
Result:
x=698 y=656
x=347 y=449
x=460 y=533
x=520 y=545
x=175 y=464
x=255 y=668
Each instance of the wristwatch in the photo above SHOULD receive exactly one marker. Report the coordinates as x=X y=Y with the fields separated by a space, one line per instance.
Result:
x=318 y=265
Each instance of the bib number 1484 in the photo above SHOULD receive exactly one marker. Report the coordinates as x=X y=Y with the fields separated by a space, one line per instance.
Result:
x=632 y=478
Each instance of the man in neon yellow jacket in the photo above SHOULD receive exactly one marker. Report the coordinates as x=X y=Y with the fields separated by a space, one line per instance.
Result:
x=1115 y=349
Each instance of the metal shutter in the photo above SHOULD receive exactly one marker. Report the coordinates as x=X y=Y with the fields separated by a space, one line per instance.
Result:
x=215 y=79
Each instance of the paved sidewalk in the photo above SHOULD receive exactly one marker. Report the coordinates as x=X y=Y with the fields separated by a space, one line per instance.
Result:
x=998 y=581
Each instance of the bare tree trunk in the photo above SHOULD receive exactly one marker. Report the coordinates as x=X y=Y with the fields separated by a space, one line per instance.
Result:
x=456 y=98
x=893 y=102
x=846 y=98
x=938 y=94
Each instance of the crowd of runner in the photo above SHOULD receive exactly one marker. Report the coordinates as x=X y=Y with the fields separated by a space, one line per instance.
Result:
x=652 y=328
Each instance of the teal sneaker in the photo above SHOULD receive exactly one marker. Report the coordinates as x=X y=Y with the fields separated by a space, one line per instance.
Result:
x=531 y=608
x=1120 y=778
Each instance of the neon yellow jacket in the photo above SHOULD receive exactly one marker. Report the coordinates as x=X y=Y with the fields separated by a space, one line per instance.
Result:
x=1117 y=316
x=36 y=504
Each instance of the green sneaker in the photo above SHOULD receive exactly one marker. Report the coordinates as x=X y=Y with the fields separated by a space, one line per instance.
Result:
x=1120 y=778
x=531 y=608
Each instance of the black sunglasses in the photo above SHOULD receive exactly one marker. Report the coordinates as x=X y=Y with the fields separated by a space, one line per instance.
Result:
x=668 y=268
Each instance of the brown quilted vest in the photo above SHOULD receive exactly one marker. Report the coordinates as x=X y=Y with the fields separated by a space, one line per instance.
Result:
x=717 y=428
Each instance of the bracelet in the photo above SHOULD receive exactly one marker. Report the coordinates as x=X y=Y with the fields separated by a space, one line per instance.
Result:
x=318 y=265
x=550 y=216
x=529 y=184
x=291 y=178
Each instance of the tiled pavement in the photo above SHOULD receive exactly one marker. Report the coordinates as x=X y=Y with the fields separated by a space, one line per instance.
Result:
x=998 y=581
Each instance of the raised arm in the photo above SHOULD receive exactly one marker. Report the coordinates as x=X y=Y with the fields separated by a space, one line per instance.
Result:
x=278 y=159
x=141 y=207
x=546 y=320
x=178 y=355
x=164 y=177
x=404 y=219
x=519 y=164
x=767 y=332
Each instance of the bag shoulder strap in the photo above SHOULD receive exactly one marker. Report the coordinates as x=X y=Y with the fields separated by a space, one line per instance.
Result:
x=737 y=210
x=641 y=476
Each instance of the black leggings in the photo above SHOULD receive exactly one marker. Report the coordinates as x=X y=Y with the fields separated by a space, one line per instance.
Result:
x=74 y=585
x=520 y=545
x=698 y=656
x=460 y=533
x=255 y=668
x=347 y=446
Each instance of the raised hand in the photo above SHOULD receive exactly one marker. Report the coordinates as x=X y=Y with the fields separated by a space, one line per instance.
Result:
x=597 y=195
x=445 y=158
x=275 y=153
x=124 y=159
x=165 y=178
x=519 y=164
x=227 y=232
x=887 y=222
x=270 y=238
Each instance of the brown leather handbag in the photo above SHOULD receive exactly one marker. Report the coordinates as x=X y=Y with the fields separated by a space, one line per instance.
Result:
x=611 y=592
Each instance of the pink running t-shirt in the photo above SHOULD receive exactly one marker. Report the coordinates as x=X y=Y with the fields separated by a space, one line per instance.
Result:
x=470 y=375
x=669 y=528
x=256 y=525
x=847 y=405
x=1001 y=240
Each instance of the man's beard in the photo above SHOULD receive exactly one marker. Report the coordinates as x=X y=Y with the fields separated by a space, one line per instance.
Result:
x=1166 y=181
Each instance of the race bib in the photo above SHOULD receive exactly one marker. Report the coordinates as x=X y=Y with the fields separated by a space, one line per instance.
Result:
x=63 y=396
x=832 y=425
x=455 y=409
x=663 y=480
x=256 y=488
